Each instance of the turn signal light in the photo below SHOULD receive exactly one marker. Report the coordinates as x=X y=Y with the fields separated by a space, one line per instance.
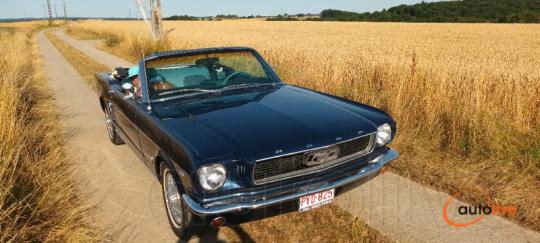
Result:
x=218 y=222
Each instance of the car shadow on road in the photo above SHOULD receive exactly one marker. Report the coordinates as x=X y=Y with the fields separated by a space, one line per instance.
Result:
x=207 y=234
x=242 y=234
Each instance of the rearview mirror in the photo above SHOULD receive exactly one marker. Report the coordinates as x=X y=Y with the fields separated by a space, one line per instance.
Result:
x=127 y=86
x=207 y=61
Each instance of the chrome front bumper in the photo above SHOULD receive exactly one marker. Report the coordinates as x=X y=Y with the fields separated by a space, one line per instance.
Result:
x=370 y=169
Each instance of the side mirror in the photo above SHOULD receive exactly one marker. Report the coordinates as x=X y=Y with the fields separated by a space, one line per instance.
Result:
x=127 y=86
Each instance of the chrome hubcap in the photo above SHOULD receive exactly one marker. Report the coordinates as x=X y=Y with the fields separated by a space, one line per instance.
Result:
x=173 y=200
x=109 y=121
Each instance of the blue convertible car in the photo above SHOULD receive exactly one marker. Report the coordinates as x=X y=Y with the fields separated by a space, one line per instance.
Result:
x=230 y=142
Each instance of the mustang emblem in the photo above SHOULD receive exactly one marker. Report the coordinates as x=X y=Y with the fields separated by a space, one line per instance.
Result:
x=321 y=156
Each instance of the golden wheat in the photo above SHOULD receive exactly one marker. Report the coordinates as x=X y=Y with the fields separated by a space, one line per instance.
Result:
x=465 y=96
x=38 y=199
x=465 y=77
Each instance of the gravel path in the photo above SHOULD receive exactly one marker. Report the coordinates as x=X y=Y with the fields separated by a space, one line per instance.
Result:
x=113 y=177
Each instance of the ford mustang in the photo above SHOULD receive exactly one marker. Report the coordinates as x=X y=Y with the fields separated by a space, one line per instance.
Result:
x=231 y=143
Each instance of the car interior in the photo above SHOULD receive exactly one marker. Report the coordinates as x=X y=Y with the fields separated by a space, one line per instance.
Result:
x=205 y=73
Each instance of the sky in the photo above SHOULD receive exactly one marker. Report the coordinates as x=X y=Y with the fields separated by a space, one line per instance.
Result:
x=123 y=8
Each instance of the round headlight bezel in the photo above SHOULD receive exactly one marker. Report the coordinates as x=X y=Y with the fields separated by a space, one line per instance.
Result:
x=207 y=171
x=384 y=134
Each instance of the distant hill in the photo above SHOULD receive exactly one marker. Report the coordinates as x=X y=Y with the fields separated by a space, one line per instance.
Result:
x=493 y=11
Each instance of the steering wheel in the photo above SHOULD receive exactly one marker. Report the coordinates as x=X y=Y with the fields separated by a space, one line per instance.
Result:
x=228 y=78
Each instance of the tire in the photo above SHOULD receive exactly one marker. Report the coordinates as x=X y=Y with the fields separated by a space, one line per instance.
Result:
x=182 y=222
x=109 y=123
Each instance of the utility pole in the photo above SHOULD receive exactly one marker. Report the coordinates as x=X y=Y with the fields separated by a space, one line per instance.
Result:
x=155 y=16
x=65 y=12
x=154 y=20
x=55 y=11
x=45 y=10
x=50 y=12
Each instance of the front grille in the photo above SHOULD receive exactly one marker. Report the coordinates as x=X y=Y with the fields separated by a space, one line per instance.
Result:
x=293 y=165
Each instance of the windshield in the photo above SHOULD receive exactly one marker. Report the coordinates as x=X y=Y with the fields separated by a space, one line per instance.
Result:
x=209 y=72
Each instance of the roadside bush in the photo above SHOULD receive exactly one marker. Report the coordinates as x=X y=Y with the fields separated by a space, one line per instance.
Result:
x=112 y=40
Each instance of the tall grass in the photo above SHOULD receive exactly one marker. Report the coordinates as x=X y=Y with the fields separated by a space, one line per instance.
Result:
x=465 y=96
x=38 y=199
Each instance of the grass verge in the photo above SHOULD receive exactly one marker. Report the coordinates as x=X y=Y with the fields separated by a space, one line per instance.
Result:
x=337 y=225
x=38 y=197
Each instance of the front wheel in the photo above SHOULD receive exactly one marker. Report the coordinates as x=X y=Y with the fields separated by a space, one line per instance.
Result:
x=180 y=218
x=109 y=122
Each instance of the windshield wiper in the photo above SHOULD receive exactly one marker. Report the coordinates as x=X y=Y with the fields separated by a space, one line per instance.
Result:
x=246 y=85
x=185 y=91
x=182 y=93
x=196 y=92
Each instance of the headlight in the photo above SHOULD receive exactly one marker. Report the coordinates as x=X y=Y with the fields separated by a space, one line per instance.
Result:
x=212 y=177
x=384 y=134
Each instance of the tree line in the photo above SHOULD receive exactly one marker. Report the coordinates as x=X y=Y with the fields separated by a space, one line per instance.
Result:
x=467 y=11
x=472 y=11
x=217 y=17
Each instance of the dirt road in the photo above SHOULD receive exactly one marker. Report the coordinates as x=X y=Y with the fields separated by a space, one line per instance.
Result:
x=130 y=199
x=114 y=178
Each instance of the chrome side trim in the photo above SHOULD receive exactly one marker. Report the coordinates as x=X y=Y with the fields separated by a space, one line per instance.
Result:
x=234 y=207
x=318 y=168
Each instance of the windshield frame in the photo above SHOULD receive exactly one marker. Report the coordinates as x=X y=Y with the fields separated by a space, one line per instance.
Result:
x=185 y=53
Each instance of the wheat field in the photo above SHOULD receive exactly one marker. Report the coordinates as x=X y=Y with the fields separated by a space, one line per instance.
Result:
x=456 y=75
x=466 y=97
x=39 y=200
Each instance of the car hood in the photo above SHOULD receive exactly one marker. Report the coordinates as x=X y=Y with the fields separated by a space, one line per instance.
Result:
x=258 y=124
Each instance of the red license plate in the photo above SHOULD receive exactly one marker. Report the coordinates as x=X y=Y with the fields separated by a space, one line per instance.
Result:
x=315 y=200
